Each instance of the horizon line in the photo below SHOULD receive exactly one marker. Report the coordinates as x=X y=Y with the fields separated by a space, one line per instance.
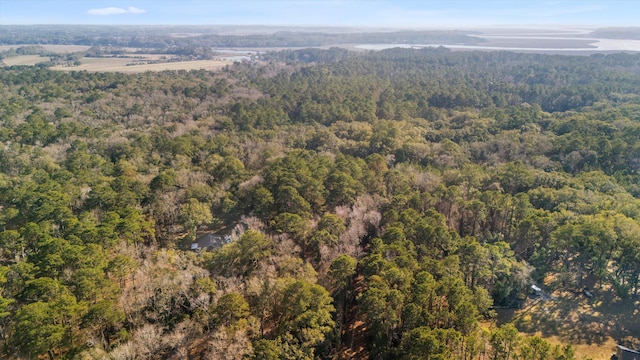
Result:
x=400 y=27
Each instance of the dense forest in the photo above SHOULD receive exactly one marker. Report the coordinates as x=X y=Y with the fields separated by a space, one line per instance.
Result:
x=378 y=205
x=170 y=38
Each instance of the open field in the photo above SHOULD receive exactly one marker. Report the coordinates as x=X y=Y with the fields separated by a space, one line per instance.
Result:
x=132 y=63
x=24 y=60
x=129 y=65
x=52 y=48
x=593 y=326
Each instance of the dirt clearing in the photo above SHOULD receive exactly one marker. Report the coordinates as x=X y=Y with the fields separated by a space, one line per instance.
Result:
x=594 y=326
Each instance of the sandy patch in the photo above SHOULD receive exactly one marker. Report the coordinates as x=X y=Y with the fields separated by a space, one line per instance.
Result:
x=617 y=45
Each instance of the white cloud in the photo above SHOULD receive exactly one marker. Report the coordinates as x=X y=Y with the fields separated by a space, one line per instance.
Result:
x=135 y=10
x=107 y=11
x=116 y=11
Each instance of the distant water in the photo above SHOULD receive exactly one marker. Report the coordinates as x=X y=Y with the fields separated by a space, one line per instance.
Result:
x=234 y=51
x=236 y=58
x=596 y=44
x=466 y=47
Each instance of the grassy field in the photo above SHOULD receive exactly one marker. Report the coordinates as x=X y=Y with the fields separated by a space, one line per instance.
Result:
x=130 y=65
x=593 y=326
x=24 y=60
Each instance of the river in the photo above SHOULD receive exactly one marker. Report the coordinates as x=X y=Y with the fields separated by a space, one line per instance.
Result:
x=594 y=44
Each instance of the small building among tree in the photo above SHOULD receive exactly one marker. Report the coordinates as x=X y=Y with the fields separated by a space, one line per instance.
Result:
x=624 y=353
x=209 y=242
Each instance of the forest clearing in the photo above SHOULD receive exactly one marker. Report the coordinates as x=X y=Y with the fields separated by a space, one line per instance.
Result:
x=593 y=325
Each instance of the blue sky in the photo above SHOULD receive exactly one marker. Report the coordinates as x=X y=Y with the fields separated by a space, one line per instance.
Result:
x=374 y=13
